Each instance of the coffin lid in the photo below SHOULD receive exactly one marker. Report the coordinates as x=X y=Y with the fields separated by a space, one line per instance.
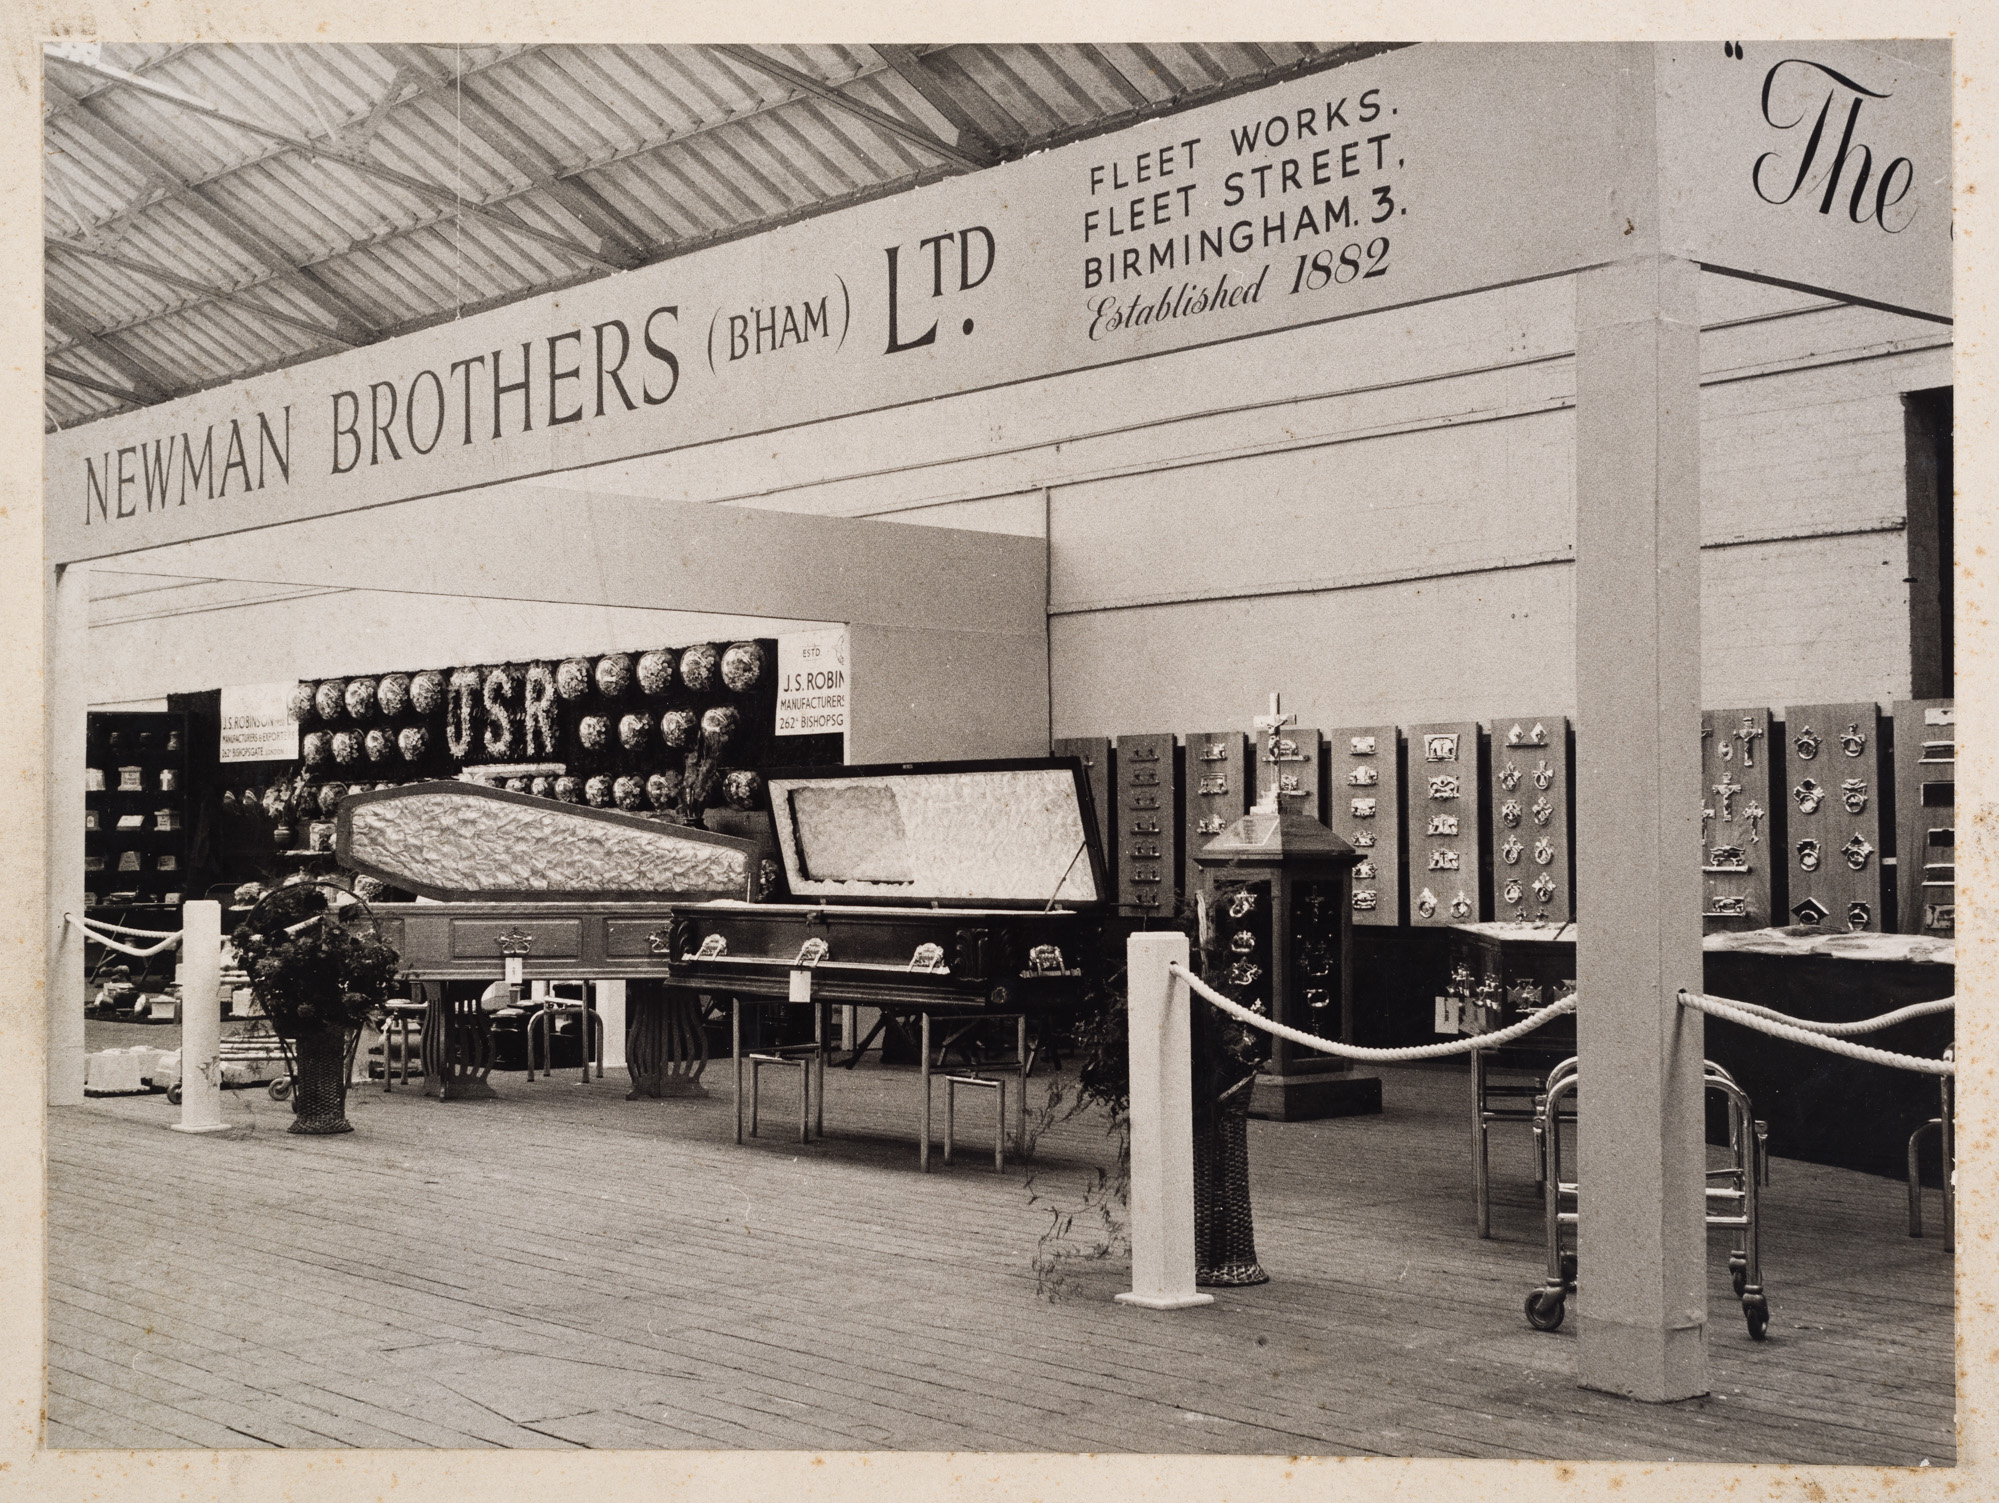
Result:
x=1012 y=833
x=1269 y=837
x=459 y=840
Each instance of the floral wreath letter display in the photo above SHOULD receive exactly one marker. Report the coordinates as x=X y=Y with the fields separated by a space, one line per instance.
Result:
x=668 y=732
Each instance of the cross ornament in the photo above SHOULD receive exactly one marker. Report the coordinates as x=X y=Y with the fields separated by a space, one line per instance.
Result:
x=1747 y=736
x=1268 y=726
x=1276 y=720
x=1753 y=812
x=1726 y=791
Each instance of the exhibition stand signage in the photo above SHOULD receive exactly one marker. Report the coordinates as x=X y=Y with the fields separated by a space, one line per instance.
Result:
x=258 y=724
x=1408 y=176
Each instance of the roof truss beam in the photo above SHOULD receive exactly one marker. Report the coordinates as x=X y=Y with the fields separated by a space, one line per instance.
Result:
x=91 y=383
x=366 y=166
x=150 y=384
x=566 y=176
x=939 y=94
x=505 y=136
x=981 y=155
x=352 y=322
x=186 y=284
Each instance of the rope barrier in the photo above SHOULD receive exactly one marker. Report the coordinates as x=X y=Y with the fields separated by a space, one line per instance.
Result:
x=1865 y=1025
x=168 y=943
x=1824 y=1036
x=1735 y=1012
x=1354 y=1051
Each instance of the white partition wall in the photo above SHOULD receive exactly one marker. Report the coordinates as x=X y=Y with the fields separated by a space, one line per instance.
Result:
x=947 y=628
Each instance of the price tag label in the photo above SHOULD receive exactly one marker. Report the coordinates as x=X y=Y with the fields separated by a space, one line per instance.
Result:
x=801 y=986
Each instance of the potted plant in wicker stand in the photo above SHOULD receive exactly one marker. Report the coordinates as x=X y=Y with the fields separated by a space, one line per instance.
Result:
x=1225 y=1056
x=317 y=980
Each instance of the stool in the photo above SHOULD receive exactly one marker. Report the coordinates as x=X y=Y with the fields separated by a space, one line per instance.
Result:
x=799 y=1061
x=404 y=1020
x=1490 y=1100
x=1730 y=1194
x=951 y=1084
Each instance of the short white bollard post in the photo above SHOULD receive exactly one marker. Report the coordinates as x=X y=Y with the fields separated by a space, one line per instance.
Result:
x=200 y=1019
x=1162 y=1126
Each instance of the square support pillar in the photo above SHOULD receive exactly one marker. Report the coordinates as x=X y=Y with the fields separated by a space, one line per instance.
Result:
x=1642 y=1284
x=66 y=706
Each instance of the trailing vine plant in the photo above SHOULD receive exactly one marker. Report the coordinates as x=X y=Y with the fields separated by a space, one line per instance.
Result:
x=1093 y=1225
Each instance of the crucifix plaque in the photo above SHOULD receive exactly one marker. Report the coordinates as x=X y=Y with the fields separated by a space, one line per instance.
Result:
x=1287 y=763
x=1740 y=852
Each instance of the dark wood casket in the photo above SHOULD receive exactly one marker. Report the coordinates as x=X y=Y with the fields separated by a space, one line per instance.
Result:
x=947 y=885
x=524 y=888
x=967 y=890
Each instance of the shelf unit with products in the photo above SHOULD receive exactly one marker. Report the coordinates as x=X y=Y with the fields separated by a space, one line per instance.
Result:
x=135 y=851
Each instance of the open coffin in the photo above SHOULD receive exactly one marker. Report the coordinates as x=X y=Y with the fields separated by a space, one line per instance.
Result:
x=924 y=884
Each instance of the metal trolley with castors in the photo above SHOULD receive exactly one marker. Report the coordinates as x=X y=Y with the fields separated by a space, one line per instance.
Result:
x=259 y=1055
x=255 y=1056
x=1944 y=1125
x=1731 y=1199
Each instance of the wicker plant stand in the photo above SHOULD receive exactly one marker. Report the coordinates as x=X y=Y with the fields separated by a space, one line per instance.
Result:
x=319 y=1101
x=1224 y=1231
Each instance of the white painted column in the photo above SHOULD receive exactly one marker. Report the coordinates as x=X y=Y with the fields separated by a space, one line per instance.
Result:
x=1642 y=1311
x=1162 y=1126
x=66 y=620
x=200 y=1018
x=611 y=1008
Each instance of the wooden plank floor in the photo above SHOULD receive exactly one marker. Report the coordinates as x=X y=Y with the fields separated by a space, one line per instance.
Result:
x=565 y=1268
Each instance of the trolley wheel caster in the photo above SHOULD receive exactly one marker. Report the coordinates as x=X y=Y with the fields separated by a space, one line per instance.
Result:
x=1545 y=1309
x=1738 y=1274
x=173 y=1094
x=1756 y=1311
x=281 y=1089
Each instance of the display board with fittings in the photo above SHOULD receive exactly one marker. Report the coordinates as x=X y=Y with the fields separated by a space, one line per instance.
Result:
x=1444 y=808
x=1742 y=822
x=1364 y=808
x=1148 y=820
x=1288 y=760
x=1533 y=846
x=1926 y=816
x=1832 y=785
x=1215 y=790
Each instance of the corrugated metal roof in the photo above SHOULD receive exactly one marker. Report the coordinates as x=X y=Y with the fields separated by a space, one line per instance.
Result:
x=216 y=210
